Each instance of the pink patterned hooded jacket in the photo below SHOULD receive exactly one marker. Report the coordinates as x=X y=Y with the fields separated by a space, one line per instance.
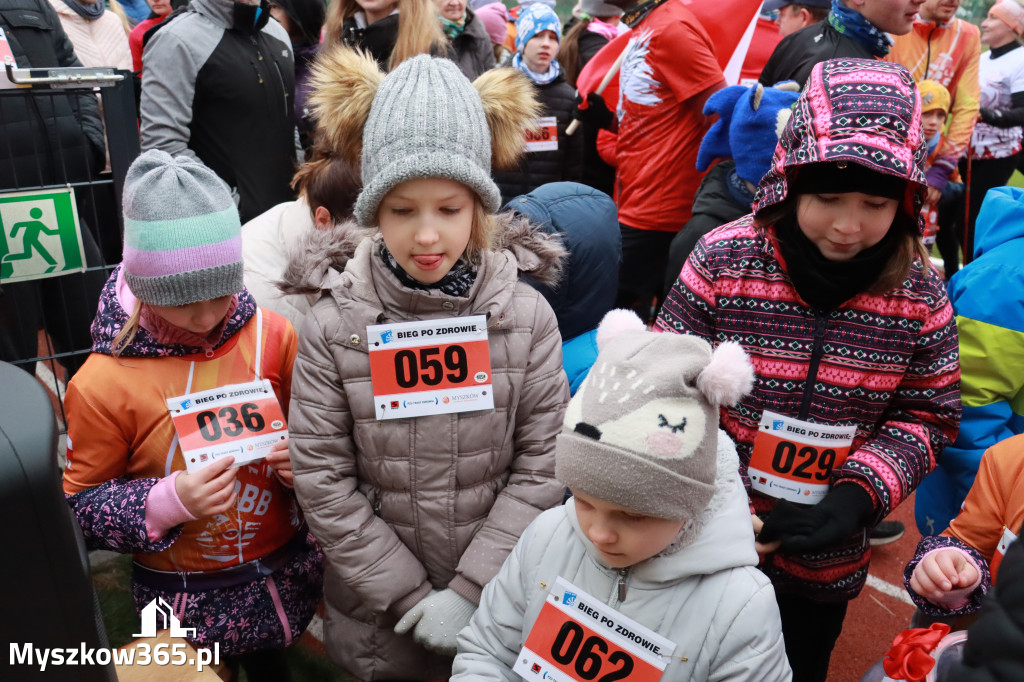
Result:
x=886 y=363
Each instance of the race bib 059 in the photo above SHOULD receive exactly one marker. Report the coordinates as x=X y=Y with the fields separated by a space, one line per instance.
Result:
x=430 y=367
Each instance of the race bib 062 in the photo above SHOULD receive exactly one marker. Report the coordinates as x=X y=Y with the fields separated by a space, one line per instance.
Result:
x=577 y=637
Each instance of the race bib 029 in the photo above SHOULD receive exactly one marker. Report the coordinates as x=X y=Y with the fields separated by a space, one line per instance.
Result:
x=793 y=459
x=430 y=367
x=577 y=637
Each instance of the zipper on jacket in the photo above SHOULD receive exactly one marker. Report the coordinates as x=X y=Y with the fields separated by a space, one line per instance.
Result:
x=376 y=502
x=812 y=370
x=284 y=90
x=619 y=595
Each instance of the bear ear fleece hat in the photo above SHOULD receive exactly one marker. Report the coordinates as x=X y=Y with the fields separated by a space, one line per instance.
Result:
x=422 y=120
x=750 y=121
x=642 y=431
x=182 y=234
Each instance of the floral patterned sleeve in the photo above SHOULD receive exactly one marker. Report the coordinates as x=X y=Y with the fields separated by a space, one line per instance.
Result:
x=113 y=516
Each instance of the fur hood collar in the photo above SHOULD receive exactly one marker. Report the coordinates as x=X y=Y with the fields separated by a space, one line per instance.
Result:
x=323 y=255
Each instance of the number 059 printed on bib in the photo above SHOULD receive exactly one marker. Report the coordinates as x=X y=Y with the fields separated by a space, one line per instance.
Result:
x=430 y=367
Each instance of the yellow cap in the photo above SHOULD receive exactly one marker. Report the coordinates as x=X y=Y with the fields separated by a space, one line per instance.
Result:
x=934 y=95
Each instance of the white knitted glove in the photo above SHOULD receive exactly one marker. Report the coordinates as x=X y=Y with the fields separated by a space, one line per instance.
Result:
x=437 y=618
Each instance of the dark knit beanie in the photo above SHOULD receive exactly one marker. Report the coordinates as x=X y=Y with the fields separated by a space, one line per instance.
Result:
x=845 y=176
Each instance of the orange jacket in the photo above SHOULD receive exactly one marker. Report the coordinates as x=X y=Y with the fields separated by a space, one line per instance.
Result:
x=119 y=425
x=947 y=54
x=995 y=502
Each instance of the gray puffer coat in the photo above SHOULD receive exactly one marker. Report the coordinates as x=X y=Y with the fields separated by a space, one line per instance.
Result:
x=405 y=505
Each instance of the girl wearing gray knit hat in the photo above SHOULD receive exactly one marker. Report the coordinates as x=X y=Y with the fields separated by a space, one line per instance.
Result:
x=156 y=430
x=418 y=467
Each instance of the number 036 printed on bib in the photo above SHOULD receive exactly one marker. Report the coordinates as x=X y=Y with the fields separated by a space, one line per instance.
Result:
x=430 y=367
x=241 y=420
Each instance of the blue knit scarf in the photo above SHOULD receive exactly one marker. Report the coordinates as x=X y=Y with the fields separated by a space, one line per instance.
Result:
x=539 y=78
x=853 y=25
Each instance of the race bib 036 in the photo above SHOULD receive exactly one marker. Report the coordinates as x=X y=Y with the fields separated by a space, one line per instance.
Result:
x=241 y=420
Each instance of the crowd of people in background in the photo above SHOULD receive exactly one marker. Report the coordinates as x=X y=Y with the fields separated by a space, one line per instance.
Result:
x=672 y=279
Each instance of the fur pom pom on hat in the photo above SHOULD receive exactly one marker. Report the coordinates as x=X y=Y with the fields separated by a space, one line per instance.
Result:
x=642 y=431
x=422 y=120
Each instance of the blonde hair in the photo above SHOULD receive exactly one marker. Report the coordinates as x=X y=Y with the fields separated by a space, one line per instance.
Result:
x=481 y=235
x=125 y=337
x=419 y=31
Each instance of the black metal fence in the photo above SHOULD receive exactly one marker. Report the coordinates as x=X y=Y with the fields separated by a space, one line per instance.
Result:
x=52 y=125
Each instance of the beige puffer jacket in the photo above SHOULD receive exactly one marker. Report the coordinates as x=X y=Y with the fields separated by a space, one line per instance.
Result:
x=403 y=506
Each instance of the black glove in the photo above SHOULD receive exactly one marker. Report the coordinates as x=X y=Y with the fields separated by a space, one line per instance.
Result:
x=596 y=114
x=990 y=116
x=846 y=508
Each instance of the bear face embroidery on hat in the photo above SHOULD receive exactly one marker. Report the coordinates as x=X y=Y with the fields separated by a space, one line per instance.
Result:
x=642 y=431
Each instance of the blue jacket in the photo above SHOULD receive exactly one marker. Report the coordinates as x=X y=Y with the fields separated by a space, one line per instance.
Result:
x=588 y=223
x=988 y=299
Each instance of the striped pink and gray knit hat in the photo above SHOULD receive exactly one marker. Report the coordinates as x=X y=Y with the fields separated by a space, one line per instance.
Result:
x=182 y=234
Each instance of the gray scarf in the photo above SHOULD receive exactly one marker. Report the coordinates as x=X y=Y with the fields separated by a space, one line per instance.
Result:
x=86 y=11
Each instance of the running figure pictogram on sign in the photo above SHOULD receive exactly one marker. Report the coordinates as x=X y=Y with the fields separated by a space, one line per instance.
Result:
x=40 y=235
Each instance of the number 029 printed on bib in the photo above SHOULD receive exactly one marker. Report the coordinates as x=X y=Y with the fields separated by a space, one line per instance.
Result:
x=430 y=367
x=578 y=637
x=793 y=459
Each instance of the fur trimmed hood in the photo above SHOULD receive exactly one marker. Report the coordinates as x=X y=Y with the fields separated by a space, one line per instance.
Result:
x=324 y=254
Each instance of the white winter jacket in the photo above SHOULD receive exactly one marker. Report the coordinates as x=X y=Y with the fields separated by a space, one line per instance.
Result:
x=272 y=240
x=102 y=42
x=269 y=242
x=708 y=596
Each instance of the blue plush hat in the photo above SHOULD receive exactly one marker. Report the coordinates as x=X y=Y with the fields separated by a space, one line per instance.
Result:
x=750 y=120
x=533 y=19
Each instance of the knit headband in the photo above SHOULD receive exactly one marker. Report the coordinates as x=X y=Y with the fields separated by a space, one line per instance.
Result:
x=1011 y=13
